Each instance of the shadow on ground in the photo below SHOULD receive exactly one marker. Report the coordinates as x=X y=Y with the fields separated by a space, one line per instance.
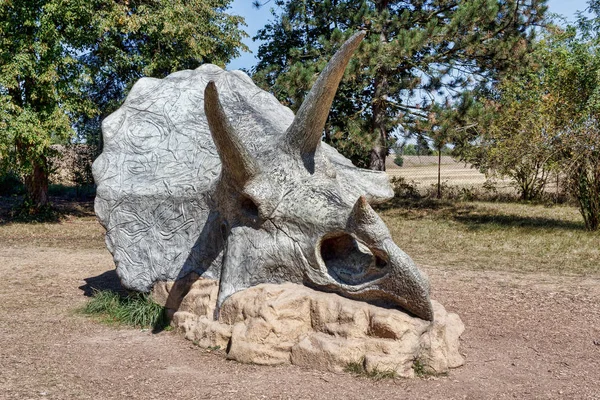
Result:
x=480 y=220
x=474 y=216
x=105 y=281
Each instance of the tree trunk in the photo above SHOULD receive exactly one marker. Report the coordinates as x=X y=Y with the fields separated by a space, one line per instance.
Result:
x=439 y=185
x=36 y=184
x=380 y=87
x=378 y=154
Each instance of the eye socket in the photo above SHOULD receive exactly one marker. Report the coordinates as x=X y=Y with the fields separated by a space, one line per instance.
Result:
x=380 y=262
x=249 y=207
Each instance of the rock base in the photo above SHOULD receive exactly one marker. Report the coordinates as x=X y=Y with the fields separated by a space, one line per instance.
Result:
x=281 y=324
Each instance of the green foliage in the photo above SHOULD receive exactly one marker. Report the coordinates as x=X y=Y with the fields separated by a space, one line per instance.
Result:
x=573 y=68
x=517 y=135
x=582 y=168
x=67 y=64
x=544 y=120
x=422 y=147
x=358 y=368
x=403 y=189
x=419 y=368
x=138 y=310
x=10 y=184
x=408 y=194
x=412 y=66
x=422 y=370
x=29 y=212
x=410 y=150
x=398 y=160
x=129 y=40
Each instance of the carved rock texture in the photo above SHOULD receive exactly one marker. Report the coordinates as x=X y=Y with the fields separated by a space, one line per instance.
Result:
x=288 y=323
x=204 y=172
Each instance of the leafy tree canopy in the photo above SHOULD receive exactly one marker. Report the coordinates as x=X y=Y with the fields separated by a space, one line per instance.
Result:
x=68 y=63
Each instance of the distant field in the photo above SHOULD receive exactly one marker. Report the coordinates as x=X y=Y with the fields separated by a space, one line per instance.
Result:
x=424 y=170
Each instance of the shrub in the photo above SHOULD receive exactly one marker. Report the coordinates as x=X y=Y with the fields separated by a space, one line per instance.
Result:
x=28 y=211
x=11 y=184
x=583 y=170
x=404 y=189
x=399 y=160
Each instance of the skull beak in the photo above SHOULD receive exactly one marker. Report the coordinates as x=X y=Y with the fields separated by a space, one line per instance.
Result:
x=379 y=273
x=364 y=263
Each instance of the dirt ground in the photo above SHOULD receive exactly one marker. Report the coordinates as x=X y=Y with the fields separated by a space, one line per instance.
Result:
x=527 y=337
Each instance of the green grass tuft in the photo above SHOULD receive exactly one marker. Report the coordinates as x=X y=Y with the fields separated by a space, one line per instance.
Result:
x=138 y=310
x=358 y=368
x=420 y=368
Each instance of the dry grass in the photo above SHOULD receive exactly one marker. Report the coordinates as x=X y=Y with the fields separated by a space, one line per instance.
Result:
x=474 y=235
x=496 y=236
x=77 y=228
x=424 y=171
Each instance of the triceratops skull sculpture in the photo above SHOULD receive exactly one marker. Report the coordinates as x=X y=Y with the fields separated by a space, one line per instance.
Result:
x=259 y=199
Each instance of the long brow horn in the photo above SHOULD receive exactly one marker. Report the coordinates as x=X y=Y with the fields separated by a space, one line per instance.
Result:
x=237 y=163
x=305 y=132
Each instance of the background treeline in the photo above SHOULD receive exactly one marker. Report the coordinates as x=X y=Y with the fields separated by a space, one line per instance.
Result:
x=498 y=82
x=495 y=82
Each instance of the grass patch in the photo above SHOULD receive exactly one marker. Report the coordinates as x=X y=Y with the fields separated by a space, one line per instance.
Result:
x=421 y=370
x=358 y=368
x=516 y=237
x=137 y=309
x=355 y=367
x=77 y=227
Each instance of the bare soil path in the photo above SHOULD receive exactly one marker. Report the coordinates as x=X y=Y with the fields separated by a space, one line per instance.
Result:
x=528 y=336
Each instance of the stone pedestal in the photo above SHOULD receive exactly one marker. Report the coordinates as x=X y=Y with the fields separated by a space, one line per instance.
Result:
x=273 y=324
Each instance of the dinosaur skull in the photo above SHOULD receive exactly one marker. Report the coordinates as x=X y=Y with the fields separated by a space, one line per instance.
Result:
x=285 y=216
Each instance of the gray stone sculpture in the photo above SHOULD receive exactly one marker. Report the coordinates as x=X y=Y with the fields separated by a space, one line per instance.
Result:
x=204 y=172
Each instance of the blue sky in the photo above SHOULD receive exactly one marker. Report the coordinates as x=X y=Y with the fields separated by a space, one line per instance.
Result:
x=256 y=19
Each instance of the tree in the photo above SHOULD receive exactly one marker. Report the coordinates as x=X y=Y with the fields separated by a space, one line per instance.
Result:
x=517 y=133
x=417 y=55
x=546 y=118
x=66 y=64
x=132 y=39
x=573 y=68
x=40 y=89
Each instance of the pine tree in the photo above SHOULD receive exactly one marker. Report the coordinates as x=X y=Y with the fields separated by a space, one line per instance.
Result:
x=417 y=59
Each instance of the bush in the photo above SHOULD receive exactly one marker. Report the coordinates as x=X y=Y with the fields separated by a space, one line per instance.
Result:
x=29 y=212
x=11 y=184
x=404 y=189
x=399 y=160
x=585 y=186
x=583 y=170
